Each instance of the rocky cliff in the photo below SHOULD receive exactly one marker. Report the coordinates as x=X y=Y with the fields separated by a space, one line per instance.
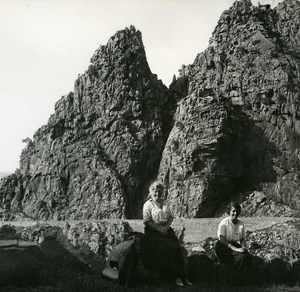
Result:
x=102 y=144
x=234 y=132
x=237 y=130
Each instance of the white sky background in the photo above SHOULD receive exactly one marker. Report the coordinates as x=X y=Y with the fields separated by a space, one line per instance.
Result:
x=44 y=44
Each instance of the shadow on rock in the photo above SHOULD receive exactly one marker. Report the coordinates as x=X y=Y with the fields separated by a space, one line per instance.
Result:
x=276 y=271
x=226 y=275
x=201 y=269
x=58 y=251
x=20 y=266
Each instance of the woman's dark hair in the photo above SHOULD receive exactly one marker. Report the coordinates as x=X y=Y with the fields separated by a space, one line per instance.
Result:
x=235 y=205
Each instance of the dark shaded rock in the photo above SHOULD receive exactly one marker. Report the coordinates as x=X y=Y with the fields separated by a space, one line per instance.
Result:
x=201 y=269
x=235 y=131
x=8 y=232
x=228 y=276
x=275 y=254
x=277 y=271
x=295 y=270
x=81 y=246
x=203 y=159
x=180 y=86
x=57 y=254
x=237 y=128
x=20 y=266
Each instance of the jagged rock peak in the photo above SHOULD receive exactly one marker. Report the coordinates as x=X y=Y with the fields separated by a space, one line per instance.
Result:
x=128 y=38
x=241 y=4
x=288 y=23
x=102 y=144
x=239 y=14
x=237 y=129
x=121 y=47
x=285 y=3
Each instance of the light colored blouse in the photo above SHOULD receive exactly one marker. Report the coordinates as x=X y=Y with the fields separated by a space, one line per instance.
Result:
x=230 y=231
x=153 y=212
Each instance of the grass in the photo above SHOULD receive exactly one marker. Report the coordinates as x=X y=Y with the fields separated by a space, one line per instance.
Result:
x=58 y=279
x=55 y=279
x=155 y=289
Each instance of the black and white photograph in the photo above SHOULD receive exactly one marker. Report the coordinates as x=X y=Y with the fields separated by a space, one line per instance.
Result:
x=149 y=145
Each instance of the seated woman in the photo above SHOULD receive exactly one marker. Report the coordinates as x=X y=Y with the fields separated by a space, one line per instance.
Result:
x=231 y=247
x=161 y=251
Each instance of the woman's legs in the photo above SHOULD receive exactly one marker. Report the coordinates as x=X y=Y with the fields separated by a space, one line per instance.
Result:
x=163 y=253
x=241 y=262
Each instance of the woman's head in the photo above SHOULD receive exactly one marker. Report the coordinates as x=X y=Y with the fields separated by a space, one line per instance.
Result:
x=156 y=191
x=234 y=210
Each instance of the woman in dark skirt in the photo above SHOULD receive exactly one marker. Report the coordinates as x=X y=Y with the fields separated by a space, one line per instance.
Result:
x=161 y=249
x=231 y=247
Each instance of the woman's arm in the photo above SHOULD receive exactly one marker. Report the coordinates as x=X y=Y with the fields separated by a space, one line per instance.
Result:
x=224 y=241
x=229 y=245
x=243 y=243
x=153 y=226
x=168 y=224
x=165 y=228
x=147 y=216
x=160 y=228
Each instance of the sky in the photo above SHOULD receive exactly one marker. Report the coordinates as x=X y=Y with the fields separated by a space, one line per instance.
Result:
x=45 y=44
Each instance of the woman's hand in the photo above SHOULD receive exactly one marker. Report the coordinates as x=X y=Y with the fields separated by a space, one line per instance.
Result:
x=238 y=249
x=163 y=229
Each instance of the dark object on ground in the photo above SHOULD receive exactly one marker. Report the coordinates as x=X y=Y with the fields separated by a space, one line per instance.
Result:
x=20 y=265
x=125 y=264
x=228 y=276
x=8 y=232
x=57 y=254
x=201 y=269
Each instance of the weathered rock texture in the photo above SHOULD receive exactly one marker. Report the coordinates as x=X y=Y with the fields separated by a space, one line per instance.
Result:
x=237 y=130
x=275 y=252
x=273 y=244
x=102 y=144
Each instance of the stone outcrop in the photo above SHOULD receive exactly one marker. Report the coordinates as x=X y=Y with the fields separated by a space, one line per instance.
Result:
x=202 y=158
x=21 y=261
x=275 y=254
x=227 y=128
x=101 y=146
x=80 y=245
x=237 y=130
x=85 y=246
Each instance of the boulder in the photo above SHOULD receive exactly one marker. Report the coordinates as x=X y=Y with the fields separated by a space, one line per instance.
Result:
x=21 y=265
x=201 y=268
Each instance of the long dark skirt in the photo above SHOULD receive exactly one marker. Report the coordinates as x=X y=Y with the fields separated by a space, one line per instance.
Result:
x=163 y=253
x=241 y=262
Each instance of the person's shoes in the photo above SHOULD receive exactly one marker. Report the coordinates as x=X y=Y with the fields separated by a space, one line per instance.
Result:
x=178 y=282
x=188 y=282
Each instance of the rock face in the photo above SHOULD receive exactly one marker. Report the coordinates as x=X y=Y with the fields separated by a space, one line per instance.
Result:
x=84 y=246
x=102 y=144
x=237 y=130
x=275 y=253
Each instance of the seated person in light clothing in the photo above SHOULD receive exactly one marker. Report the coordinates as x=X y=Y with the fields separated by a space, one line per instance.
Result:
x=231 y=247
x=161 y=249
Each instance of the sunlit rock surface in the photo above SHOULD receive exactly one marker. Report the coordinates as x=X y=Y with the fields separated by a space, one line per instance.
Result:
x=227 y=128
